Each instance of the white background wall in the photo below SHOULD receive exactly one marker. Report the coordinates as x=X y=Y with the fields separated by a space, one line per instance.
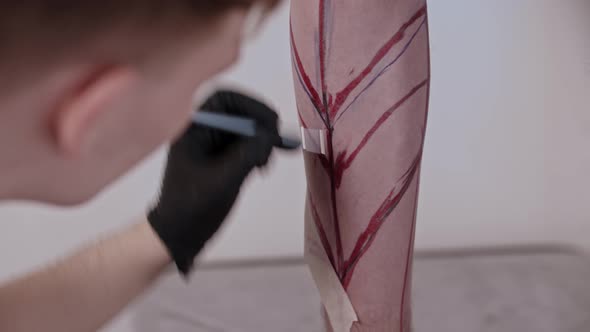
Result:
x=505 y=163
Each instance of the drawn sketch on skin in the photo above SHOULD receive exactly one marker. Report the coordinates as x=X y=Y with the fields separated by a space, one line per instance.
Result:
x=332 y=104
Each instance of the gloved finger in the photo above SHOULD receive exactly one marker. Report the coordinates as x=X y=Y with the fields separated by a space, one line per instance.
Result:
x=232 y=102
x=265 y=144
x=245 y=154
x=265 y=117
x=199 y=141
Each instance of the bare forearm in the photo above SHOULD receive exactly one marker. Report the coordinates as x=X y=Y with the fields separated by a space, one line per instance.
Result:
x=84 y=291
x=362 y=74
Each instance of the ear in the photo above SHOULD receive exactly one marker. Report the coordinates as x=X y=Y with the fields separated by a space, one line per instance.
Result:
x=90 y=98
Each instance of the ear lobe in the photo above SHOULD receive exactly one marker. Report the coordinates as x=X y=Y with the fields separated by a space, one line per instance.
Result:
x=76 y=115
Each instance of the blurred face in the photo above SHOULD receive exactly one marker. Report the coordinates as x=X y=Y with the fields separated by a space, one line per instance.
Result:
x=148 y=108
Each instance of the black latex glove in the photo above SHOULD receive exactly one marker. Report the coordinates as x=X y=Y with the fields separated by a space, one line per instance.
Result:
x=204 y=173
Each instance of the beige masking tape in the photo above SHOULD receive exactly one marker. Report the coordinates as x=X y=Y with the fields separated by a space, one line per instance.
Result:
x=334 y=298
x=314 y=140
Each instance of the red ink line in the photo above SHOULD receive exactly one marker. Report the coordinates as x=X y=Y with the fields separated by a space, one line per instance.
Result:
x=365 y=240
x=301 y=121
x=315 y=98
x=300 y=79
x=321 y=231
x=396 y=38
x=325 y=164
x=343 y=162
x=339 y=255
x=322 y=23
x=382 y=71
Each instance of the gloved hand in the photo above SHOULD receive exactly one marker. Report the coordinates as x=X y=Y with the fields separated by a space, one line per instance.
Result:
x=204 y=173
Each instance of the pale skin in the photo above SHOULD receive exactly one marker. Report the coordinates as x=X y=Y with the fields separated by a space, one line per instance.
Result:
x=362 y=73
x=68 y=129
x=85 y=290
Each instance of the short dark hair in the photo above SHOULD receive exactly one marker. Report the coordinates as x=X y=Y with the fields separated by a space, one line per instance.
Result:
x=42 y=30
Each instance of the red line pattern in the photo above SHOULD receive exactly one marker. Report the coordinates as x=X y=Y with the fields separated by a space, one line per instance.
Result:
x=301 y=121
x=336 y=163
x=365 y=240
x=315 y=98
x=383 y=51
x=322 y=25
x=335 y=218
x=321 y=230
x=343 y=162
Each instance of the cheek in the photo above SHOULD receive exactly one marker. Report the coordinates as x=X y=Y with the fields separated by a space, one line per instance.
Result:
x=177 y=98
x=165 y=118
x=173 y=122
x=222 y=50
x=233 y=50
x=217 y=58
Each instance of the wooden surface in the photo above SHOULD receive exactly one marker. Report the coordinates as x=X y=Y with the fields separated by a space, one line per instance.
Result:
x=524 y=290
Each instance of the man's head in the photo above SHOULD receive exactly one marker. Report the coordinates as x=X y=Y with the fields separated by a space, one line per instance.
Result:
x=89 y=88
